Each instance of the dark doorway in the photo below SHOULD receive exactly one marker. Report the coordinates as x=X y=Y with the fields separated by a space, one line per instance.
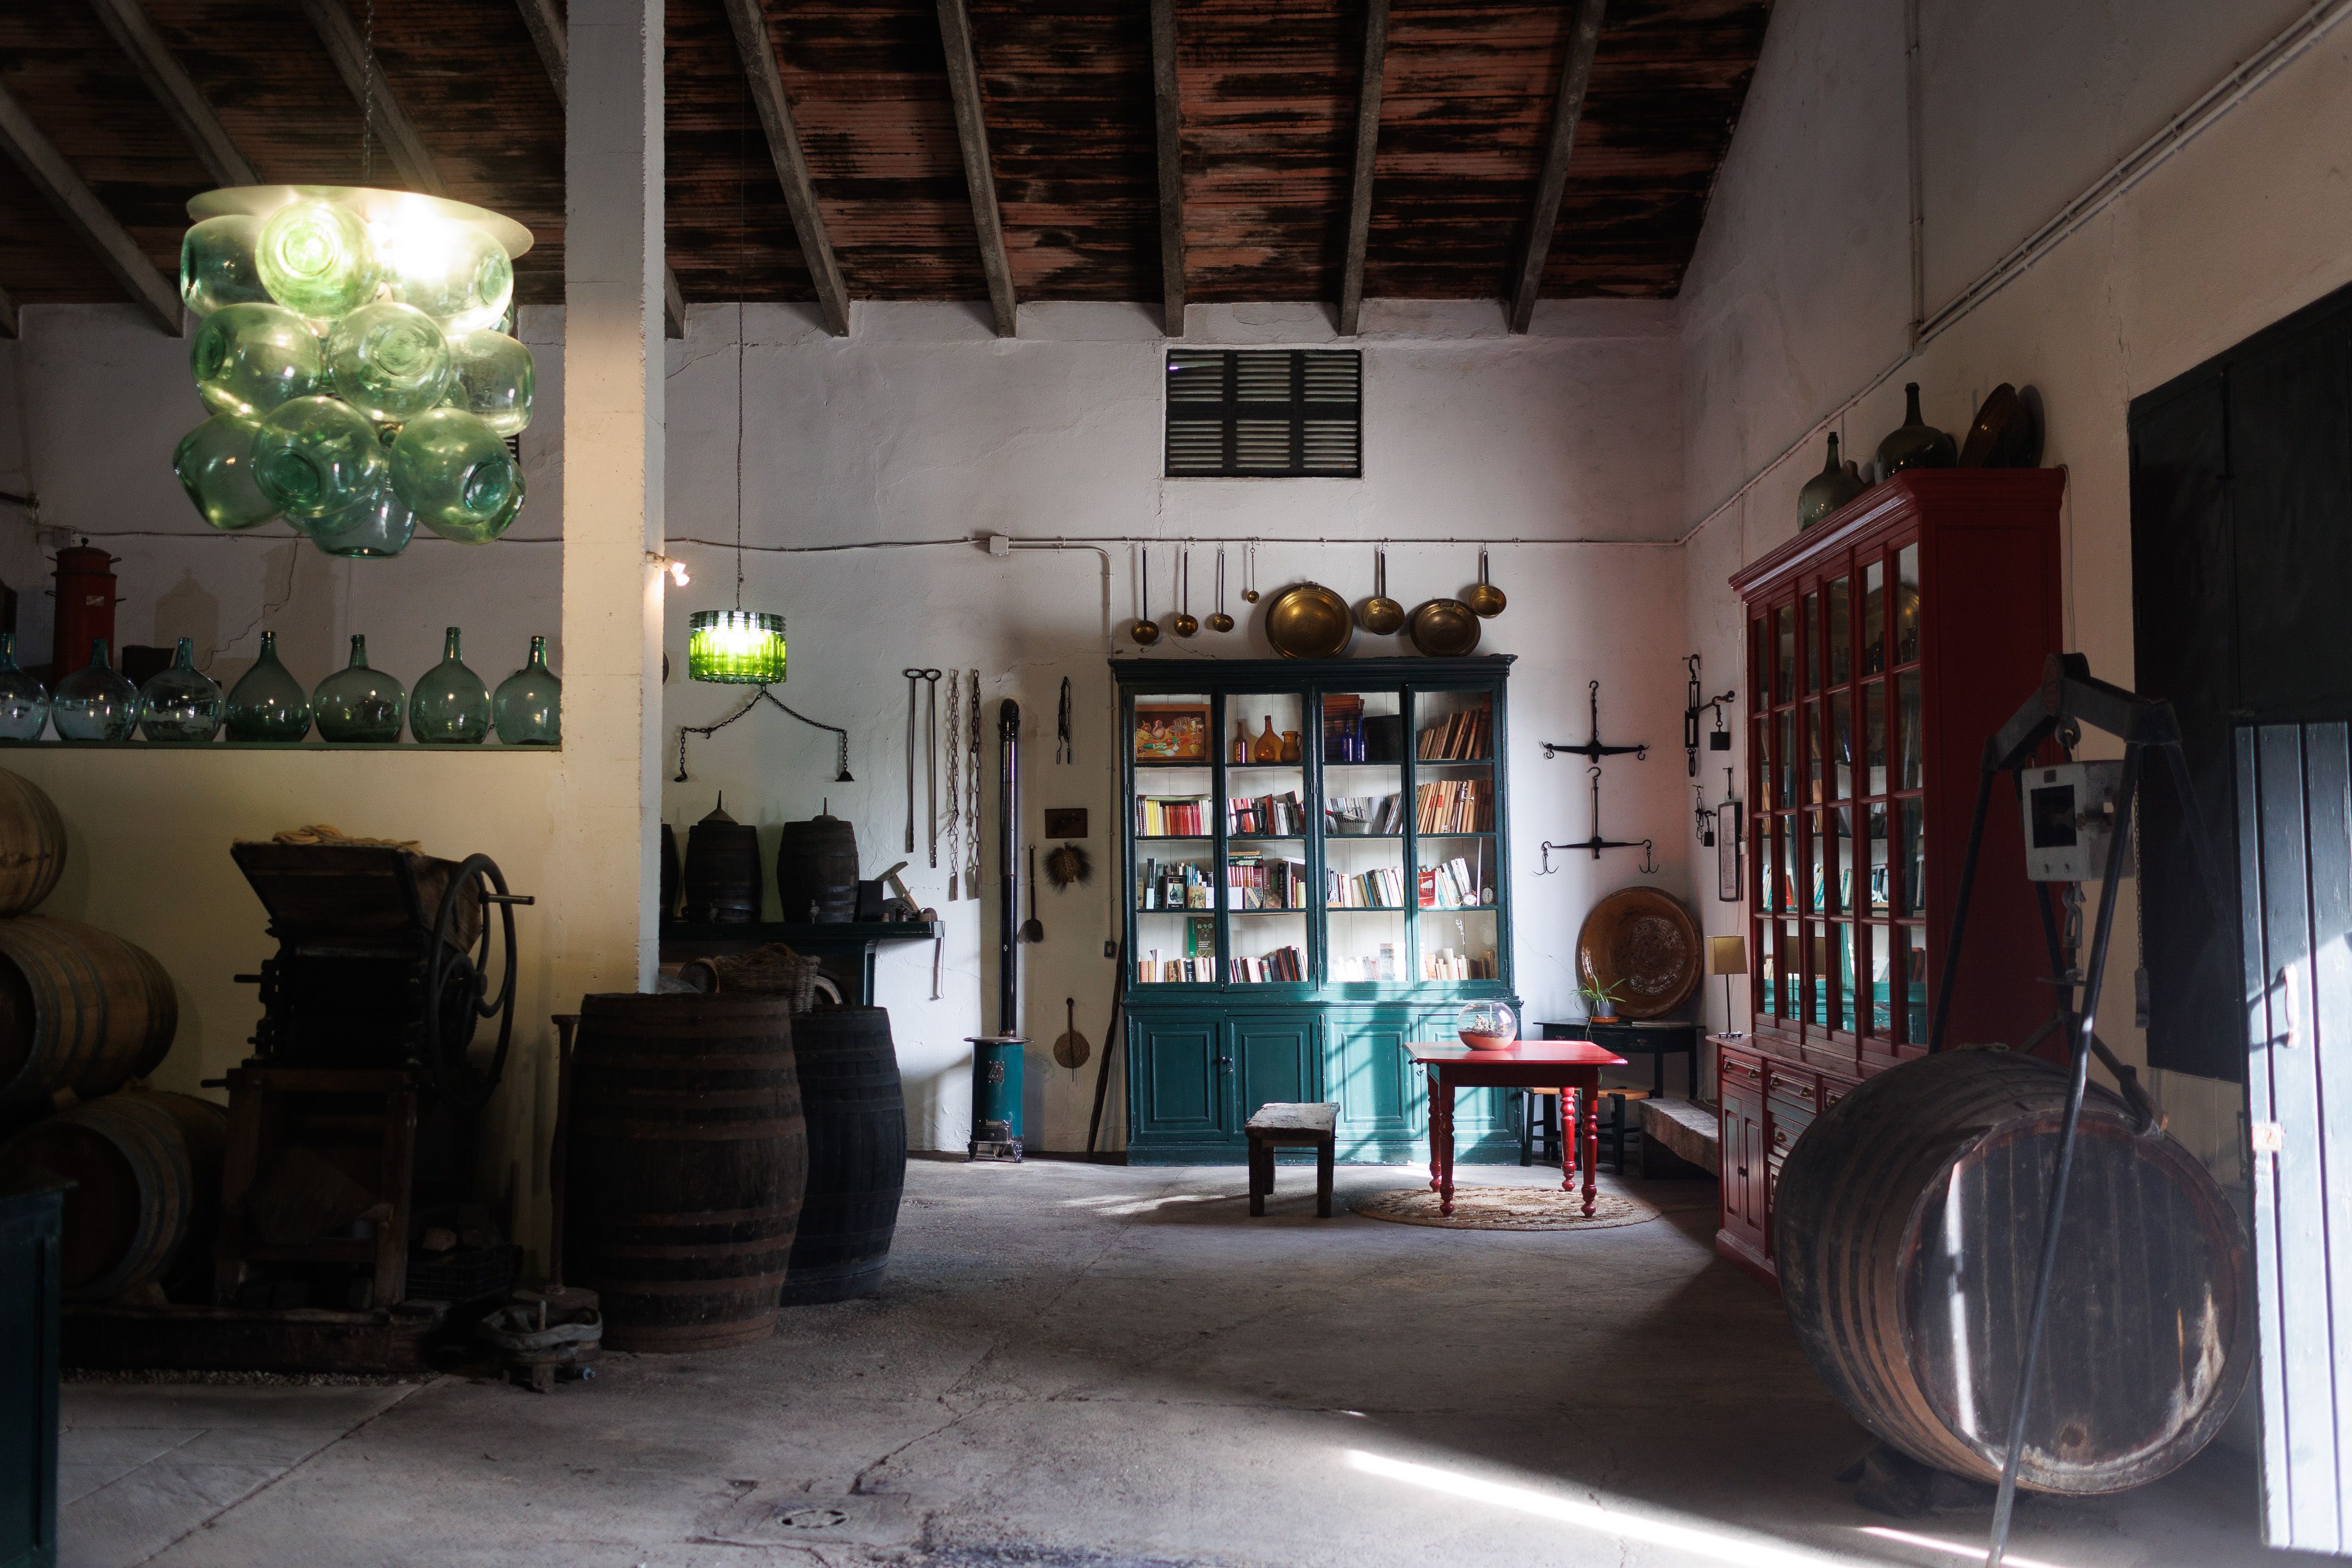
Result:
x=2242 y=578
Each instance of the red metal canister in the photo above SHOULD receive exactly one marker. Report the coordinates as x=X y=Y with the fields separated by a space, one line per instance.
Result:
x=85 y=594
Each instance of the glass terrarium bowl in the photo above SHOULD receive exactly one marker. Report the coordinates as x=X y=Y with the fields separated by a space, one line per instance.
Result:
x=1487 y=1025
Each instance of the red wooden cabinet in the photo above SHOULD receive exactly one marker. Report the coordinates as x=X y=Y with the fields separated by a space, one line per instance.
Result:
x=1884 y=647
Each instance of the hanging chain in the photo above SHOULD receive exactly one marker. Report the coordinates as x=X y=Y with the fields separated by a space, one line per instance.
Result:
x=955 y=783
x=755 y=700
x=367 y=102
x=972 y=802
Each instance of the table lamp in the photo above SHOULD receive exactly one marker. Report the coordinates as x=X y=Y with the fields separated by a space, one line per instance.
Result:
x=1727 y=956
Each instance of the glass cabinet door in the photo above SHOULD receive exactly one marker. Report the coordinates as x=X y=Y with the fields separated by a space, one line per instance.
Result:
x=1174 y=826
x=1453 y=836
x=1262 y=883
x=1365 y=883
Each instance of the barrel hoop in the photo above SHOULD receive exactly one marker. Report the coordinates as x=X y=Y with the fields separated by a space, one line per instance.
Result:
x=629 y=1130
x=740 y=1285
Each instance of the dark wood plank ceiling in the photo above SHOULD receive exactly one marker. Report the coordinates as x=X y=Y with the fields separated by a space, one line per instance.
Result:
x=1267 y=110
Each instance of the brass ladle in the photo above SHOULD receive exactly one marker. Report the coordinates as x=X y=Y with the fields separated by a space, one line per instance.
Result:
x=1249 y=572
x=1185 y=623
x=1484 y=600
x=1379 y=614
x=1221 y=622
x=1147 y=631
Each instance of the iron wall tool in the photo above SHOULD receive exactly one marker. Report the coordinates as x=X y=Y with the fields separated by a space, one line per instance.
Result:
x=971 y=802
x=913 y=676
x=931 y=763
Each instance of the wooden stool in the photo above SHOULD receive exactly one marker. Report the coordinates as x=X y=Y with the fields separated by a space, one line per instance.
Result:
x=1273 y=1126
x=1537 y=1102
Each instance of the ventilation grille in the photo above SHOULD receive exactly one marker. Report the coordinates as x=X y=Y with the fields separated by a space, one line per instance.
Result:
x=1266 y=413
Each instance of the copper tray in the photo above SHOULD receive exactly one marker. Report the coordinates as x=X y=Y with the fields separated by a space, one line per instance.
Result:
x=1443 y=628
x=1645 y=942
x=1307 y=621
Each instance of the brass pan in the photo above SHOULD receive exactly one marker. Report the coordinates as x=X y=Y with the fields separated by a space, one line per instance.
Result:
x=1307 y=621
x=1443 y=629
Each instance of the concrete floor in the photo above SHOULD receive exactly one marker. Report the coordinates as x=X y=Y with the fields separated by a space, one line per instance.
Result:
x=1098 y=1367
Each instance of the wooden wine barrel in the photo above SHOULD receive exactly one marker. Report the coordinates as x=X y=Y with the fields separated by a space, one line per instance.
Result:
x=81 y=1009
x=721 y=876
x=31 y=844
x=687 y=1158
x=857 y=1154
x=1908 y=1233
x=146 y=1168
x=816 y=870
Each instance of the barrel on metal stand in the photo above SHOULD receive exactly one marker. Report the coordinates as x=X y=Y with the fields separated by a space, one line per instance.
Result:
x=80 y=1010
x=816 y=870
x=31 y=844
x=721 y=878
x=146 y=1169
x=687 y=1158
x=1908 y=1233
x=857 y=1154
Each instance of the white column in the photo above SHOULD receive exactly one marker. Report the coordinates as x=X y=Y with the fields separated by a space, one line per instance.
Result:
x=603 y=924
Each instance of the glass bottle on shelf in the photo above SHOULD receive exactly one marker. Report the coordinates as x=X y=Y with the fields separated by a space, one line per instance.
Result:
x=24 y=701
x=529 y=707
x=1290 y=750
x=1269 y=744
x=96 y=702
x=267 y=703
x=357 y=704
x=1241 y=741
x=179 y=704
x=451 y=706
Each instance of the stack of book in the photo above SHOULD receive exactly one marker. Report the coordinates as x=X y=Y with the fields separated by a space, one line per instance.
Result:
x=1466 y=734
x=1379 y=814
x=1343 y=728
x=1181 y=884
x=1453 y=886
x=1447 y=965
x=1255 y=882
x=1379 y=889
x=1266 y=970
x=1455 y=806
x=1152 y=969
x=1265 y=816
x=1172 y=816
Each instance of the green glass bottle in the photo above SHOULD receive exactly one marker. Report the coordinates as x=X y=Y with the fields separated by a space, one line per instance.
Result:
x=316 y=456
x=215 y=463
x=1915 y=444
x=529 y=707
x=451 y=707
x=455 y=273
x=96 y=702
x=181 y=704
x=357 y=704
x=494 y=377
x=24 y=701
x=218 y=265
x=456 y=476
x=376 y=527
x=389 y=362
x=267 y=703
x=249 y=358
x=315 y=258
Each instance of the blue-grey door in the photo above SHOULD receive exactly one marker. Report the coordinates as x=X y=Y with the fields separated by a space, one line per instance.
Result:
x=2294 y=869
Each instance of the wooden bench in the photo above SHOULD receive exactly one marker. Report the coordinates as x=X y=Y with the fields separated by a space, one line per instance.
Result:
x=1274 y=1125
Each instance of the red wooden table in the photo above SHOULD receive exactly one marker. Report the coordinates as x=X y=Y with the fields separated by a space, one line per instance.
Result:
x=1568 y=1065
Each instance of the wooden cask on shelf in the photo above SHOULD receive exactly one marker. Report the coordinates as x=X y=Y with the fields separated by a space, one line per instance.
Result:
x=816 y=870
x=1907 y=1228
x=857 y=1114
x=31 y=844
x=80 y=1010
x=688 y=1159
x=146 y=1169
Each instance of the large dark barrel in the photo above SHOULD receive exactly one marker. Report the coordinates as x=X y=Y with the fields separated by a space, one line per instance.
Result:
x=816 y=870
x=31 y=844
x=721 y=878
x=1909 y=1231
x=688 y=1159
x=857 y=1154
x=80 y=1009
x=146 y=1168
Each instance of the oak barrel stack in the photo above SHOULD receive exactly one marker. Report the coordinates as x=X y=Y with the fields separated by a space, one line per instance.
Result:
x=857 y=1154
x=688 y=1159
x=82 y=1012
x=1908 y=1232
x=146 y=1168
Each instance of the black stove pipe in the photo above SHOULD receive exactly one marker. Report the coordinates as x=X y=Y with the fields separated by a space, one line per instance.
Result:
x=1008 y=849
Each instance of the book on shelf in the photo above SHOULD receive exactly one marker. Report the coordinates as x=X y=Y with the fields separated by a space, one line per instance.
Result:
x=1466 y=734
x=1445 y=964
x=1253 y=881
x=1282 y=964
x=1380 y=888
x=1455 y=806
x=1454 y=884
x=1177 y=884
x=1172 y=816
x=1381 y=814
x=1152 y=969
x=1265 y=816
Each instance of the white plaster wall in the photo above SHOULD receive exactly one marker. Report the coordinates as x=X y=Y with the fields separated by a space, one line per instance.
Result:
x=1798 y=294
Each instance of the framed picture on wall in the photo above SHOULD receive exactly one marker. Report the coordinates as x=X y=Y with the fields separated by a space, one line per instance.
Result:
x=1172 y=732
x=1726 y=851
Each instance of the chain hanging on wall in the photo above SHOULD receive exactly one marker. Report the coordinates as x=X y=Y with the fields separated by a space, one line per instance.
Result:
x=755 y=700
x=1594 y=751
x=955 y=784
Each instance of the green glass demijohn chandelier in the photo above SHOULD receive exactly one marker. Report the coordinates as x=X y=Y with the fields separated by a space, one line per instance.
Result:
x=352 y=357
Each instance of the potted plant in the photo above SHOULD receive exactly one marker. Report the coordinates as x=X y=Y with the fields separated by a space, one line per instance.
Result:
x=1600 y=1001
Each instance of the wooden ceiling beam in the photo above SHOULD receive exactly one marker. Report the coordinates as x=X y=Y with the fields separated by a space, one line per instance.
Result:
x=758 y=47
x=182 y=100
x=332 y=19
x=551 y=37
x=979 y=174
x=8 y=327
x=1568 y=108
x=1168 y=121
x=1368 y=146
x=55 y=178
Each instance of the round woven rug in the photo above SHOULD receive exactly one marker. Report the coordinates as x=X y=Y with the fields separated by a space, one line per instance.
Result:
x=1505 y=1208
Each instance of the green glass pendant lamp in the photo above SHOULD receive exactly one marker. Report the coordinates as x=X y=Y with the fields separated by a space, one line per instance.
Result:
x=351 y=360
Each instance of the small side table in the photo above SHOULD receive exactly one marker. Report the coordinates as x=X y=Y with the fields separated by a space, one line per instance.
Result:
x=1563 y=1065
x=1656 y=1039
